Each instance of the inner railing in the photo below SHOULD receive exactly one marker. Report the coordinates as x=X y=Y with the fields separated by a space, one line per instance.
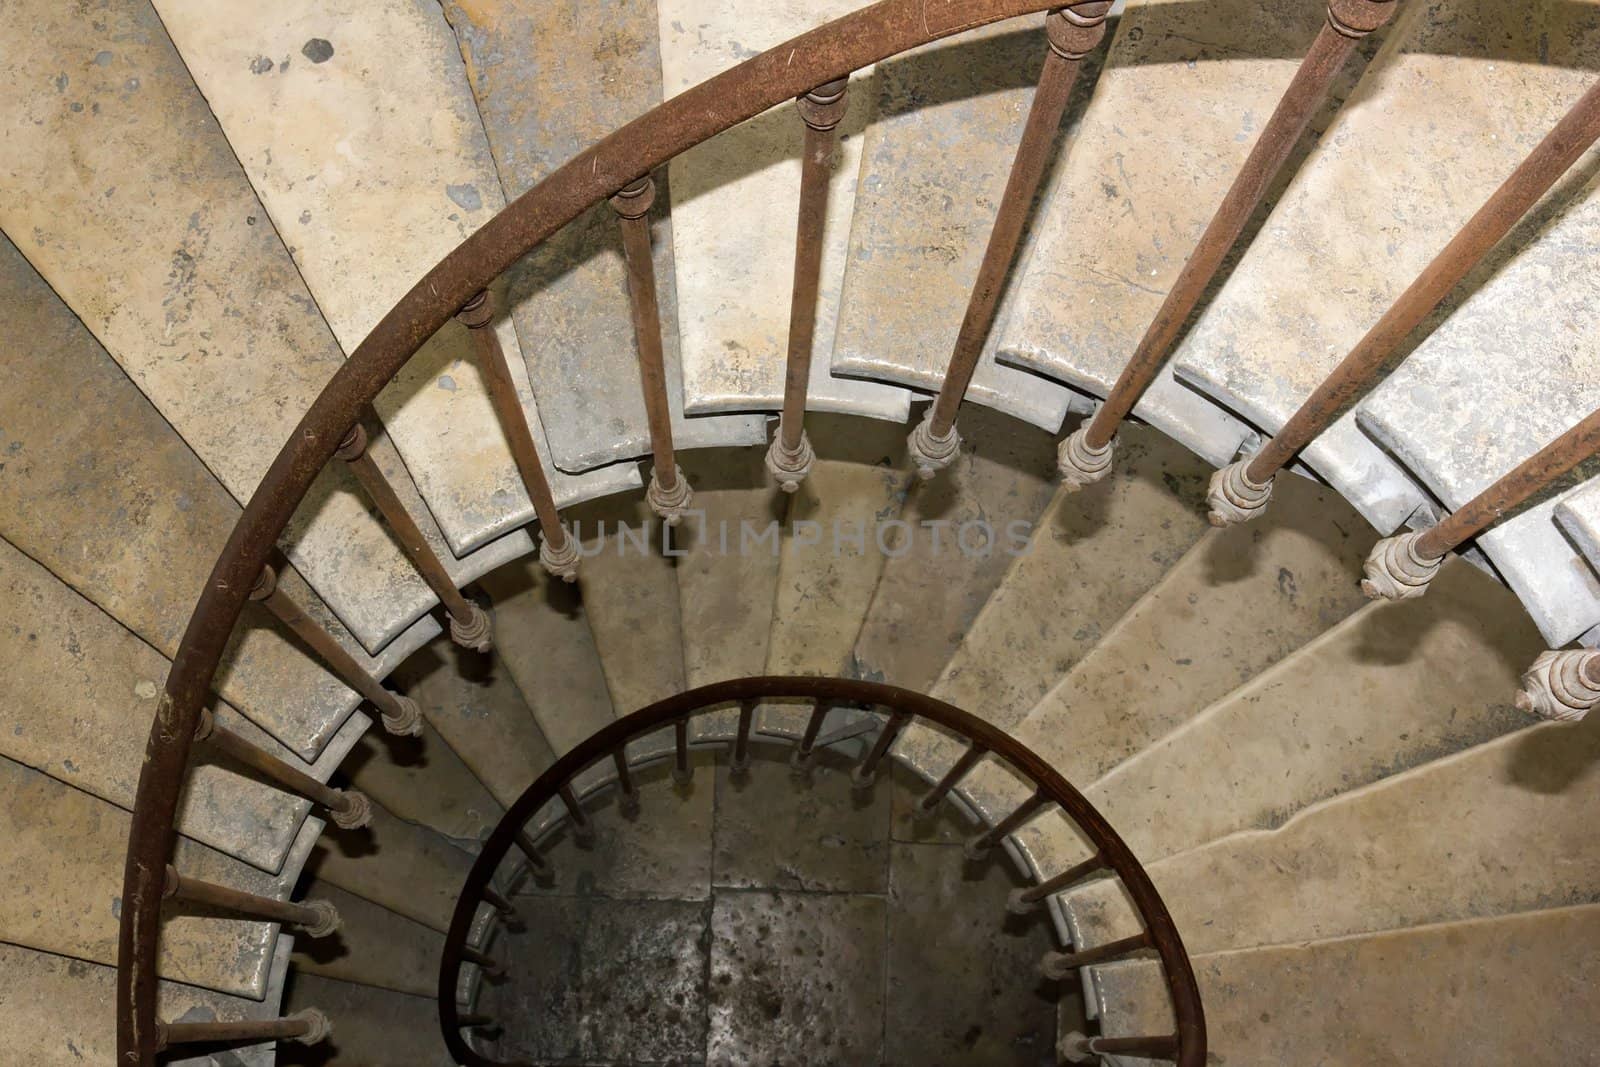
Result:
x=468 y=944
x=813 y=69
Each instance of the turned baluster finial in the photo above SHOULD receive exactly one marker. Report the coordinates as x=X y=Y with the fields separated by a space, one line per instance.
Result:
x=1561 y=686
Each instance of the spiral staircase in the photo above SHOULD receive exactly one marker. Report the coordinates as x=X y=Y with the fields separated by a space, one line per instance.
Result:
x=1142 y=259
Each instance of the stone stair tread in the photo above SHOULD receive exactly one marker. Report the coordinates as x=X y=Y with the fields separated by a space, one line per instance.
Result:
x=476 y=707
x=216 y=328
x=373 y=946
x=367 y=151
x=1429 y=994
x=1579 y=516
x=549 y=85
x=735 y=199
x=1406 y=155
x=1240 y=600
x=365 y=1022
x=60 y=1012
x=409 y=869
x=1509 y=371
x=63 y=866
x=935 y=160
x=1469 y=835
x=983 y=509
x=1114 y=236
x=1367 y=699
x=81 y=694
x=421 y=779
x=1092 y=555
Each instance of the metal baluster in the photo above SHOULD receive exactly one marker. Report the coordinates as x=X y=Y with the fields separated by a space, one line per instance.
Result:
x=669 y=494
x=314 y=918
x=474 y=1021
x=1085 y=456
x=863 y=776
x=488 y=963
x=980 y=846
x=1239 y=491
x=349 y=809
x=739 y=764
x=1076 y=1048
x=538 y=866
x=307 y=1027
x=969 y=759
x=1561 y=686
x=1058 y=965
x=582 y=828
x=1023 y=901
x=400 y=713
x=469 y=623
x=499 y=903
x=800 y=761
x=629 y=802
x=790 y=458
x=1073 y=32
x=558 y=552
x=682 y=769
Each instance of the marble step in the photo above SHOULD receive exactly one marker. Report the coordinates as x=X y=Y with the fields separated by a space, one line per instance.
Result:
x=1579 y=516
x=1183 y=94
x=548 y=85
x=1508 y=372
x=1500 y=828
x=735 y=199
x=80 y=694
x=62 y=866
x=963 y=531
x=369 y=1026
x=1394 y=686
x=61 y=1012
x=421 y=779
x=409 y=869
x=1481 y=993
x=373 y=946
x=1424 y=140
x=934 y=165
x=544 y=642
x=359 y=132
x=159 y=517
x=213 y=323
x=474 y=704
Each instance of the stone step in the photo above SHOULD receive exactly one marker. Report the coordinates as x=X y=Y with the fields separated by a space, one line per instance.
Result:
x=159 y=517
x=366 y=1024
x=982 y=511
x=1579 y=516
x=409 y=869
x=61 y=1012
x=63 y=868
x=367 y=150
x=1481 y=993
x=421 y=779
x=373 y=946
x=1424 y=140
x=476 y=707
x=934 y=165
x=548 y=86
x=218 y=330
x=81 y=694
x=1504 y=375
x=735 y=200
x=1471 y=835
x=1114 y=235
x=544 y=641
x=1394 y=686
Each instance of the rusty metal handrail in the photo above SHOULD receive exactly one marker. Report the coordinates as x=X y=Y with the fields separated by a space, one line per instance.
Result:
x=601 y=747
x=828 y=53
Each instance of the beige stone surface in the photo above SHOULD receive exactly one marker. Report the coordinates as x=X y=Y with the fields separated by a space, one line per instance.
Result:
x=395 y=864
x=734 y=203
x=934 y=165
x=1579 y=516
x=1484 y=992
x=60 y=1012
x=366 y=1021
x=1458 y=95
x=80 y=694
x=544 y=641
x=62 y=866
x=1240 y=600
x=1185 y=92
x=549 y=82
x=373 y=946
x=357 y=128
x=1500 y=828
x=422 y=780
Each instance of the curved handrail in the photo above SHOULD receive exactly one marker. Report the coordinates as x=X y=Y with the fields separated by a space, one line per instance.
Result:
x=780 y=74
x=1115 y=855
